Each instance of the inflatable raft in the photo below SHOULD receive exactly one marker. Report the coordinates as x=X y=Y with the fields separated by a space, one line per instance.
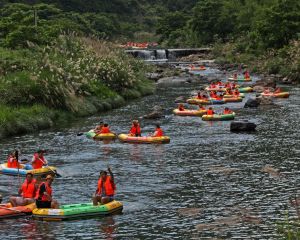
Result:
x=233 y=99
x=26 y=168
x=218 y=117
x=7 y=211
x=189 y=112
x=242 y=95
x=196 y=69
x=147 y=139
x=101 y=136
x=239 y=79
x=277 y=95
x=197 y=101
x=245 y=89
x=75 y=211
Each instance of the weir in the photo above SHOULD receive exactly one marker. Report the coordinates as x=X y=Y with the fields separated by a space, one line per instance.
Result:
x=165 y=54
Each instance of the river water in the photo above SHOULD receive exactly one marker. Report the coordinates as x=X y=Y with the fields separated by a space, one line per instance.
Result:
x=207 y=183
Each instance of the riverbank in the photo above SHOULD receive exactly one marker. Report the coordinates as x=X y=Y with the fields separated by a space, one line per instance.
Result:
x=282 y=64
x=42 y=86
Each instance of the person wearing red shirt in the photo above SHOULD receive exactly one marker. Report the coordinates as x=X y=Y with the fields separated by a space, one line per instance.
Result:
x=227 y=111
x=105 y=129
x=210 y=111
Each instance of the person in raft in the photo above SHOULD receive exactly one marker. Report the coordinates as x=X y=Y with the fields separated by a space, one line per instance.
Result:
x=38 y=159
x=135 y=129
x=27 y=191
x=105 y=189
x=158 y=131
x=246 y=74
x=98 y=128
x=43 y=198
x=202 y=108
x=210 y=111
x=227 y=111
x=105 y=129
x=181 y=107
x=12 y=160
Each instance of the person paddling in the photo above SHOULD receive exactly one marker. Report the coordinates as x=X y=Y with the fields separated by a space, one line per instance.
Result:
x=181 y=107
x=98 y=128
x=28 y=191
x=105 y=189
x=38 y=159
x=43 y=198
x=135 y=129
x=158 y=131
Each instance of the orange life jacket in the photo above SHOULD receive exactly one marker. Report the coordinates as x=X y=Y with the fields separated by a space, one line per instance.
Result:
x=28 y=189
x=105 y=130
x=12 y=162
x=158 y=132
x=44 y=197
x=210 y=112
x=227 y=111
x=38 y=162
x=109 y=187
x=135 y=130
x=181 y=108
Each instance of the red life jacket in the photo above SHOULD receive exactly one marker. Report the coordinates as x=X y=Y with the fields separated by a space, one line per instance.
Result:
x=135 y=130
x=44 y=197
x=181 y=108
x=158 y=132
x=105 y=130
x=12 y=162
x=109 y=187
x=38 y=162
x=28 y=189
x=210 y=112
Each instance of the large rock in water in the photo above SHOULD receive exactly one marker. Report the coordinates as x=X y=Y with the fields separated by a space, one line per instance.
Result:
x=155 y=114
x=265 y=100
x=242 y=126
x=252 y=103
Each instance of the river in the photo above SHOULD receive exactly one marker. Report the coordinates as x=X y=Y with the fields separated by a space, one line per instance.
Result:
x=207 y=183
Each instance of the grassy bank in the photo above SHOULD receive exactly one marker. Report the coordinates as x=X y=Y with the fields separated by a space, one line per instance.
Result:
x=284 y=61
x=71 y=77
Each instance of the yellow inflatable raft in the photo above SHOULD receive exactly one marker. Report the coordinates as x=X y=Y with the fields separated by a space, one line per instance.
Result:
x=147 y=139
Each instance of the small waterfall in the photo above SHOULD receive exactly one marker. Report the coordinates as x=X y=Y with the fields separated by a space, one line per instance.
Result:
x=146 y=54
x=161 y=54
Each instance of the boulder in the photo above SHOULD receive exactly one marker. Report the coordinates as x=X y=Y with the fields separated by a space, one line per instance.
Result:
x=265 y=100
x=180 y=99
x=242 y=126
x=252 y=103
x=157 y=112
x=266 y=82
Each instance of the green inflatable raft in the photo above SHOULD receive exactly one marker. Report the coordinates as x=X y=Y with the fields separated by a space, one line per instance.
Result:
x=75 y=211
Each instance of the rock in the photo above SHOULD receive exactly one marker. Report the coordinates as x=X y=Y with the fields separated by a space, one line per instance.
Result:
x=258 y=89
x=180 y=99
x=171 y=81
x=266 y=82
x=153 y=76
x=252 y=103
x=265 y=100
x=155 y=114
x=242 y=126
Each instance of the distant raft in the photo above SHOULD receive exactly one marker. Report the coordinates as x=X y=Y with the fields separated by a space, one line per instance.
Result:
x=239 y=79
x=7 y=211
x=188 y=112
x=101 y=136
x=277 y=95
x=77 y=211
x=146 y=139
x=233 y=99
x=242 y=95
x=24 y=169
x=197 y=101
x=218 y=117
x=195 y=69
x=245 y=89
